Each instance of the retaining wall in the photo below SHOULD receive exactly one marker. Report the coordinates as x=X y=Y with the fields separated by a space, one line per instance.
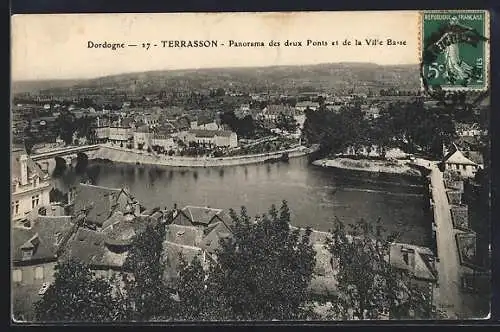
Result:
x=135 y=157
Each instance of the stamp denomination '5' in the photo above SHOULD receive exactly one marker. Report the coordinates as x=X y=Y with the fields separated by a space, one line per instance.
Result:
x=455 y=49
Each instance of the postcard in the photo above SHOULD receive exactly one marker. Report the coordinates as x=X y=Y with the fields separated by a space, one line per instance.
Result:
x=286 y=166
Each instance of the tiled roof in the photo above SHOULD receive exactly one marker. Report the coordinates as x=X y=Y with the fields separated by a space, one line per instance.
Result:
x=123 y=232
x=33 y=168
x=201 y=215
x=276 y=109
x=142 y=129
x=475 y=156
x=203 y=119
x=417 y=261
x=89 y=247
x=99 y=201
x=307 y=104
x=184 y=235
x=171 y=253
x=455 y=156
x=116 y=218
x=217 y=232
x=46 y=230
x=210 y=133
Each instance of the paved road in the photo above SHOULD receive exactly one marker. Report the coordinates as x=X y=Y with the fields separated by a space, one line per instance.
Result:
x=448 y=294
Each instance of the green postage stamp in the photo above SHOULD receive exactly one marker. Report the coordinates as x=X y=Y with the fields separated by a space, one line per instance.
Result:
x=455 y=49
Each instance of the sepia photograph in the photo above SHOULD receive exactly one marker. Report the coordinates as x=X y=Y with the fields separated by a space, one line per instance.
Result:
x=235 y=167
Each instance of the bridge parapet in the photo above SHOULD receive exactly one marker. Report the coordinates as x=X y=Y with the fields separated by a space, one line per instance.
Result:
x=64 y=152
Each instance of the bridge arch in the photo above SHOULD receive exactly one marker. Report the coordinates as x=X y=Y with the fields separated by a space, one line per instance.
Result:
x=82 y=161
x=60 y=166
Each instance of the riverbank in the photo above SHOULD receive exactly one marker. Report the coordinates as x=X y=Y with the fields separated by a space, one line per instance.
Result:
x=371 y=166
x=123 y=155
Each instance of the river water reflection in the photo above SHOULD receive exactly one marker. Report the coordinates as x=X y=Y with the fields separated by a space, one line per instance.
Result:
x=315 y=195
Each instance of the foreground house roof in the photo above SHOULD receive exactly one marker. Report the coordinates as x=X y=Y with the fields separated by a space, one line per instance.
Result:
x=98 y=202
x=455 y=156
x=45 y=237
x=201 y=215
x=414 y=259
x=89 y=247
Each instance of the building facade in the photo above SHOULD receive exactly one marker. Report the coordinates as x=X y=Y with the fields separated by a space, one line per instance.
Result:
x=142 y=138
x=215 y=138
x=30 y=186
x=120 y=135
x=165 y=142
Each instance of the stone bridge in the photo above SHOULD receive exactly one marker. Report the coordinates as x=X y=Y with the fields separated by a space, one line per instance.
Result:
x=47 y=160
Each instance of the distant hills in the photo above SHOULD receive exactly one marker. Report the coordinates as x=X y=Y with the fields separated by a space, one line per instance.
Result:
x=358 y=76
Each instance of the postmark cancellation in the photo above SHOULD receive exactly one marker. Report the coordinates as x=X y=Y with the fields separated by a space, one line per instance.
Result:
x=454 y=50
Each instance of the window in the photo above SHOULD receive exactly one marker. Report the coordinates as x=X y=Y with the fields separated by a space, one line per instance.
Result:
x=27 y=254
x=18 y=276
x=463 y=166
x=39 y=272
x=35 y=200
x=15 y=207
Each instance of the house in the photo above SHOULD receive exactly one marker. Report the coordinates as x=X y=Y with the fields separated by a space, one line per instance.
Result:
x=163 y=141
x=197 y=216
x=30 y=186
x=142 y=138
x=151 y=119
x=35 y=250
x=204 y=122
x=371 y=113
x=120 y=134
x=303 y=105
x=456 y=161
x=215 y=138
x=336 y=108
x=466 y=130
x=99 y=204
x=102 y=134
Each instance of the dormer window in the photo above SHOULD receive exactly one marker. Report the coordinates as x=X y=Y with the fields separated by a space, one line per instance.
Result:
x=27 y=254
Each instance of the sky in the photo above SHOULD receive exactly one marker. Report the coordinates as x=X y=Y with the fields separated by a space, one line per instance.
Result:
x=55 y=46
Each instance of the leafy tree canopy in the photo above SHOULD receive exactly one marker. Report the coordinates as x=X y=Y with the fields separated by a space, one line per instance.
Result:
x=77 y=295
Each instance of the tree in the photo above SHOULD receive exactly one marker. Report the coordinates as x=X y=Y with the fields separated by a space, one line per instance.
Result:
x=368 y=285
x=66 y=126
x=77 y=295
x=147 y=294
x=261 y=272
x=286 y=122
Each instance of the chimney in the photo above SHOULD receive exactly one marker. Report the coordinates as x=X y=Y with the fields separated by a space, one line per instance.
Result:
x=137 y=209
x=24 y=169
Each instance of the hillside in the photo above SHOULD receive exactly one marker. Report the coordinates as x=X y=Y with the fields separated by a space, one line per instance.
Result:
x=361 y=76
x=33 y=86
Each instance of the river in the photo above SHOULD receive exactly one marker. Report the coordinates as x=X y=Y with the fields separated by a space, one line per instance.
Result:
x=314 y=194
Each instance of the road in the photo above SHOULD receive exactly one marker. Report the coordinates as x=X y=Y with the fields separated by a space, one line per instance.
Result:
x=448 y=293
